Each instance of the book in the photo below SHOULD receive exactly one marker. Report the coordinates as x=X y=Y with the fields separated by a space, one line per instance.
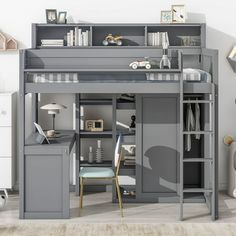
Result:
x=158 y=39
x=71 y=38
x=51 y=40
x=149 y=40
x=68 y=39
x=51 y=45
x=80 y=41
x=153 y=39
x=87 y=37
x=76 y=36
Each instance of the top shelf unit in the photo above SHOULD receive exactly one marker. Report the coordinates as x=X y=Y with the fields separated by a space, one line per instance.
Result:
x=134 y=35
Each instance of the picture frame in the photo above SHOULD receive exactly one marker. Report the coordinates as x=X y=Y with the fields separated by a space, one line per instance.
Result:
x=166 y=17
x=51 y=16
x=178 y=13
x=61 y=19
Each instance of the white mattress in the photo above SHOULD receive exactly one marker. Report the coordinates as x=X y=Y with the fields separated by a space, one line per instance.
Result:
x=189 y=74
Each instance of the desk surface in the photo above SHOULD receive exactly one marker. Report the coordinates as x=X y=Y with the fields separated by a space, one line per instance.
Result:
x=65 y=140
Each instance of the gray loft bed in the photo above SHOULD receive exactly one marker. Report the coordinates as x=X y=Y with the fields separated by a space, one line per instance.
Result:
x=104 y=71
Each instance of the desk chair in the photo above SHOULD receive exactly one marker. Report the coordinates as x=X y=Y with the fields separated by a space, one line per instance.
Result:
x=104 y=173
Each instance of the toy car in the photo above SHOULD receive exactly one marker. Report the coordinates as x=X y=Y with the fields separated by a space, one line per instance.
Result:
x=112 y=39
x=136 y=64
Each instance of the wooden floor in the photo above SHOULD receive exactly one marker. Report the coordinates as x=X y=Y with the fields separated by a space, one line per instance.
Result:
x=99 y=209
x=102 y=218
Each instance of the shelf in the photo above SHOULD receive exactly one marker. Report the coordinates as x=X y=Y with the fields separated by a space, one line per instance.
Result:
x=197 y=190
x=106 y=163
x=96 y=102
x=134 y=35
x=90 y=70
x=197 y=160
x=198 y=132
x=102 y=134
x=194 y=197
x=127 y=170
x=117 y=47
x=125 y=105
x=198 y=101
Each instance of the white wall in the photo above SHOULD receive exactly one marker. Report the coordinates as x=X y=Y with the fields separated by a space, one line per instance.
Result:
x=16 y=18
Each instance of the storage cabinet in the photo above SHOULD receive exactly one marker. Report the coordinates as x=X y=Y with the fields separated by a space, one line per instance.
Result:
x=44 y=191
x=7 y=139
x=6 y=173
x=47 y=177
x=157 y=146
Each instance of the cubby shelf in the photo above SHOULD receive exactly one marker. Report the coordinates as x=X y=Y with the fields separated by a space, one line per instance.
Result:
x=125 y=105
x=100 y=134
x=134 y=35
x=95 y=102
x=127 y=170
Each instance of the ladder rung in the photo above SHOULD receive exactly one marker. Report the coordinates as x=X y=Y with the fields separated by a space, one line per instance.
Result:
x=197 y=190
x=198 y=132
x=198 y=101
x=197 y=160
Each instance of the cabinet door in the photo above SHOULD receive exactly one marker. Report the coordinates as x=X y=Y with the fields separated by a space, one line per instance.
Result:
x=5 y=141
x=43 y=183
x=5 y=110
x=157 y=159
x=5 y=172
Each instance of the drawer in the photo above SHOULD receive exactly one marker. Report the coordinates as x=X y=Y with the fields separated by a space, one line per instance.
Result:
x=5 y=172
x=5 y=141
x=5 y=110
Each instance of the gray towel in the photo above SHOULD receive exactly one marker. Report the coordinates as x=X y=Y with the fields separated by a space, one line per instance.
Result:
x=190 y=126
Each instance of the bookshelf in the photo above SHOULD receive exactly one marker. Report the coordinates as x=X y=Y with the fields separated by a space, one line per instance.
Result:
x=134 y=35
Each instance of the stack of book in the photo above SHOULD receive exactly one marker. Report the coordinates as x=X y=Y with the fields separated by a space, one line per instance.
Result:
x=78 y=37
x=157 y=38
x=129 y=160
x=52 y=42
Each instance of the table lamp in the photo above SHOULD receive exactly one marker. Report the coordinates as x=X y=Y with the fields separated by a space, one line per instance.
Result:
x=53 y=109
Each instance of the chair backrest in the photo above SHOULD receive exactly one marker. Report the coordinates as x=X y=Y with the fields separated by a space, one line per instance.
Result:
x=117 y=151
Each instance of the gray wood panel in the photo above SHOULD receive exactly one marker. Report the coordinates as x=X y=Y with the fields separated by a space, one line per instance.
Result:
x=118 y=87
x=157 y=130
x=41 y=173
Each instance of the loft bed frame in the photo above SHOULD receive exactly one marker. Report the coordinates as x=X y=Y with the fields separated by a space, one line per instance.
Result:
x=105 y=70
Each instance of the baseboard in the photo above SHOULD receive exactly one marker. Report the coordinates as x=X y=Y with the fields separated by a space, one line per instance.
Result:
x=107 y=188
x=223 y=186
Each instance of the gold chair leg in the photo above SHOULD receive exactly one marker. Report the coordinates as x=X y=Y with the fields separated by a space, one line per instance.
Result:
x=119 y=196
x=81 y=192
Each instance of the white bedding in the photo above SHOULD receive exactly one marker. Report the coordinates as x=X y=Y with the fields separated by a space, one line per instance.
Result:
x=189 y=74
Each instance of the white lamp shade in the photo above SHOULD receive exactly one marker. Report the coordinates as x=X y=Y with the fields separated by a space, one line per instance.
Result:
x=53 y=108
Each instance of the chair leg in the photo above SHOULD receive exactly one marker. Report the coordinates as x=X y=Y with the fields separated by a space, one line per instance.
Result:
x=81 y=192
x=119 y=196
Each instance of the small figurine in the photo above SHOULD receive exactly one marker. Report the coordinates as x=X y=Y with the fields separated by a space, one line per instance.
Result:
x=112 y=39
x=144 y=63
x=132 y=125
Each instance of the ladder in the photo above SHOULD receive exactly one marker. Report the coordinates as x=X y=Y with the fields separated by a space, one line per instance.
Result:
x=209 y=189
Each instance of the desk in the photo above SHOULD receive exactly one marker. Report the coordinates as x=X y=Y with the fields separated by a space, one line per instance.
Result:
x=47 y=169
